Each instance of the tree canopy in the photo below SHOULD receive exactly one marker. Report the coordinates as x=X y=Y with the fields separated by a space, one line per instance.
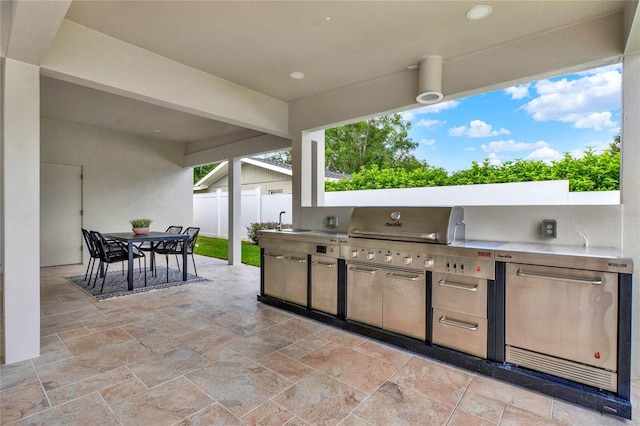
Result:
x=383 y=142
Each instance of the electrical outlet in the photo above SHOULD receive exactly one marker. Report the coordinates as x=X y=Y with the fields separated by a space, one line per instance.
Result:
x=549 y=228
x=331 y=222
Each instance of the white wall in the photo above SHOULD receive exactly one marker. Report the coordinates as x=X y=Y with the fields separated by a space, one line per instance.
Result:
x=124 y=176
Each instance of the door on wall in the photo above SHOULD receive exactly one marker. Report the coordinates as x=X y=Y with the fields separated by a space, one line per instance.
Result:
x=60 y=214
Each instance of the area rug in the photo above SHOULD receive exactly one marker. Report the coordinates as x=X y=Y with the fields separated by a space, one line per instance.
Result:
x=115 y=284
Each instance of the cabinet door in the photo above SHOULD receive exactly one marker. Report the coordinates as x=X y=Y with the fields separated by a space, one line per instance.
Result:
x=295 y=279
x=404 y=304
x=324 y=285
x=274 y=275
x=364 y=295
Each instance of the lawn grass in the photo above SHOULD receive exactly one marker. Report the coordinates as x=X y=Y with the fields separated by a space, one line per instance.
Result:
x=218 y=248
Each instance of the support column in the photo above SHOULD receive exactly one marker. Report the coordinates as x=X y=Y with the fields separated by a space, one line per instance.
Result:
x=304 y=185
x=630 y=187
x=21 y=210
x=317 y=168
x=235 y=196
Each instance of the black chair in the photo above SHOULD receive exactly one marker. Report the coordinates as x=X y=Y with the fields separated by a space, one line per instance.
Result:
x=113 y=252
x=93 y=252
x=175 y=247
x=148 y=245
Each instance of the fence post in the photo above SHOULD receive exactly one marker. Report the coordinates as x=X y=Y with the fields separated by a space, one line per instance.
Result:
x=219 y=207
x=258 y=195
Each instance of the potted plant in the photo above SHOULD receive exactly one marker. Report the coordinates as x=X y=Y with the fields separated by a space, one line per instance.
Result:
x=140 y=226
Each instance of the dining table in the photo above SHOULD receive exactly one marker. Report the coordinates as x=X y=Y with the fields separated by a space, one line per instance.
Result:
x=151 y=237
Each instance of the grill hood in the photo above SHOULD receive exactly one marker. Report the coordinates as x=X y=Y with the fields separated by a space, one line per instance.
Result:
x=436 y=225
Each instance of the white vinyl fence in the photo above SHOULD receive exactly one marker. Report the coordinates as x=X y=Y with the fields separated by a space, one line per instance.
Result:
x=210 y=211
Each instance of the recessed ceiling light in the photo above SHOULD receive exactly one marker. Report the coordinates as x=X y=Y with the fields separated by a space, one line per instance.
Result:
x=297 y=75
x=479 y=11
x=157 y=130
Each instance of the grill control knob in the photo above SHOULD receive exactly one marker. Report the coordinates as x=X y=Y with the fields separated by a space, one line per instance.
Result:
x=428 y=263
x=371 y=256
x=407 y=260
x=354 y=253
x=388 y=258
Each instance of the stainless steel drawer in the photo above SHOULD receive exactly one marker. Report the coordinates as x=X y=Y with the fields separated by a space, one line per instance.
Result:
x=324 y=284
x=461 y=332
x=466 y=295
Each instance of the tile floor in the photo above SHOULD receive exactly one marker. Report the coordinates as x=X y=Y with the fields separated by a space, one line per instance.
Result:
x=210 y=354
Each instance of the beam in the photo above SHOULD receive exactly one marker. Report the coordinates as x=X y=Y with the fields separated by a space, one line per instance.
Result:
x=245 y=148
x=89 y=58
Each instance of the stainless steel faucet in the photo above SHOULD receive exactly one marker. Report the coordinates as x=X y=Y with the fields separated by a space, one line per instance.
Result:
x=279 y=226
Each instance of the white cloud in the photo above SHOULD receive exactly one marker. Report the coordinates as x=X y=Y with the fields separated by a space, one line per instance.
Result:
x=585 y=102
x=494 y=160
x=595 y=120
x=477 y=129
x=426 y=123
x=430 y=109
x=428 y=142
x=518 y=92
x=545 y=154
x=470 y=148
x=458 y=131
x=511 y=145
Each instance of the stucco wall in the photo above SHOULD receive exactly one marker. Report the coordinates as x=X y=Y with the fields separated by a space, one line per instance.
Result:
x=124 y=176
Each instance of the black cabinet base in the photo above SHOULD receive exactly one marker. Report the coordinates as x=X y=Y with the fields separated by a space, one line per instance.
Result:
x=576 y=393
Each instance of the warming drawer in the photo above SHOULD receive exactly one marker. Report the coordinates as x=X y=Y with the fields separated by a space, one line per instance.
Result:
x=462 y=332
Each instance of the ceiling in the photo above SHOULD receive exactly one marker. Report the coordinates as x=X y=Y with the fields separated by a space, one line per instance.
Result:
x=257 y=44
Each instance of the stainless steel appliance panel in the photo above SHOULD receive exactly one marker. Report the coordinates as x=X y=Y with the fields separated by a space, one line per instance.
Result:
x=459 y=293
x=364 y=294
x=295 y=279
x=324 y=284
x=274 y=275
x=404 y=303
x=566 y=313
x=462 y=332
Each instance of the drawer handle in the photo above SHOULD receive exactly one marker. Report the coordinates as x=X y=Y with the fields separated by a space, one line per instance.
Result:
x=328 y=265
x=275 y=256
x=458 y=286
x=459 y=324
x=367 y=271
x=403 y=277
x=596 y=281
x=296 y=259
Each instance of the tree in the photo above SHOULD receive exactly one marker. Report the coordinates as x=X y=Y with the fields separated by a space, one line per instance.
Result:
x=280 y=156
x=615 y=145
x=201 y=171
x=382 y=141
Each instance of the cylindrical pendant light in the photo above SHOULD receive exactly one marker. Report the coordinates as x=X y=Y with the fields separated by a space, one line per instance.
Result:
x=430 y=80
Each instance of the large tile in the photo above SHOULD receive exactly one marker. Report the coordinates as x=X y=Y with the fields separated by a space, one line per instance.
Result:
x=516 y=417
x=481 y=406
x=156 y=330
x=57 y=374
x=155 y=370
x=122 y=390
x=166 y=404
x=99 y=340
x=461 y=418
x=90 y=410
x=533 y=402
x=258 y=345
x=239 y=384
x=397 y=405
x=84 y=387
x=320 y=399
x=203 y=340
x=268 y=414
x=16 y=374
x=214 y=415
x=570 y=414
x=444 y=383
x=286 y=367
x=22 y=401
x=349 y=366
x=396 y=357
x=295 y=329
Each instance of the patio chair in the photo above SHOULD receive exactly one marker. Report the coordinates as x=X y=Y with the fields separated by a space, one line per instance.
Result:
x=113 y=252
x=148 y=246
x=175 y=247
x=93 y=252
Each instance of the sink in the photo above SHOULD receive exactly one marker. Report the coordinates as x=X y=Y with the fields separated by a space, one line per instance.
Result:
x=293 y=231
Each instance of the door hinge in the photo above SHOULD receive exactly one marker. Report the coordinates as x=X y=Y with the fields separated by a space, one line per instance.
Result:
x=81 y=212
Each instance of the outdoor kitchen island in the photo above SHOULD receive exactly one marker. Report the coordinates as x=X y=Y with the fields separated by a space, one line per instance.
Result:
x=555 y=319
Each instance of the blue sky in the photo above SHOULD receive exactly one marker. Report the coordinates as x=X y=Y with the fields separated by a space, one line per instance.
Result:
x=538 y=121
